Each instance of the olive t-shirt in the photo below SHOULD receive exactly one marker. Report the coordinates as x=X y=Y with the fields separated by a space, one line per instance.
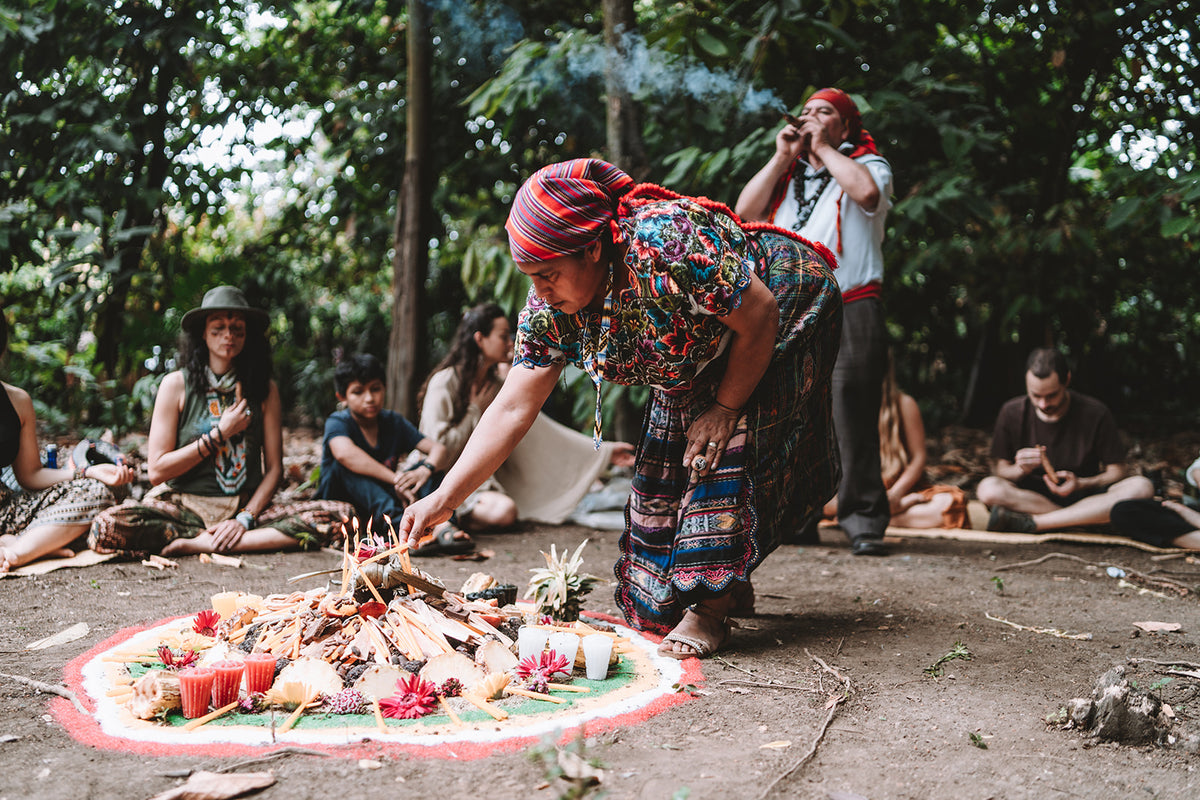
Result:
x=1084 y=441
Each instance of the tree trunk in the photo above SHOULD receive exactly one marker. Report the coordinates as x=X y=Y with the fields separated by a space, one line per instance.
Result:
x=625 y=149
x=411 y=259
x=624 y=135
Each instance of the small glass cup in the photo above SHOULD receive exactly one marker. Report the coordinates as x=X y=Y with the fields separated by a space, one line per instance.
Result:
x=195 y=690
x=597 y=651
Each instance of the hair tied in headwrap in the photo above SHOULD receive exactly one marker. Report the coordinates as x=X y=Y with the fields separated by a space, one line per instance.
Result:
x=856 y=134
x=563 y=207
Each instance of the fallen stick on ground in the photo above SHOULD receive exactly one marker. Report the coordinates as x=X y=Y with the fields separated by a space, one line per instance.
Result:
x=1082 y=637
x=835 y=702
x=1164 y=663
x=734 y=666
x=280 y=753
x=1178 y=586
x=48 y=687
x=762 y=685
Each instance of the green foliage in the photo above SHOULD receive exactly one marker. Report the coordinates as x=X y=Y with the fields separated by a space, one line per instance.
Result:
x=1044 y=158
x=958 y=652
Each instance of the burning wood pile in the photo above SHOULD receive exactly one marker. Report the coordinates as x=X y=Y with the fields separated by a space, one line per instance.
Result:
x=386 y=640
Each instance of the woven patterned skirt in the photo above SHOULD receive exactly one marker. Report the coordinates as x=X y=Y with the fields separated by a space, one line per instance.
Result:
x=687 y=539
x=74 y=502
x=139 y=528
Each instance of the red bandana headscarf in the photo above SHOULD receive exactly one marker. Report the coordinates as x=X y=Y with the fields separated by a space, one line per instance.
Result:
x=563 y=207
x=856 y=134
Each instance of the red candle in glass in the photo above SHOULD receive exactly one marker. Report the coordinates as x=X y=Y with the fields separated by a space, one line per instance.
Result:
x=195 y=690
x=226 y=683
x=260 y=672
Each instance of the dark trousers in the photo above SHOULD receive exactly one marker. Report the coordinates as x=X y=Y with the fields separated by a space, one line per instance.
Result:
x=374 y=500
x=857 y=385
x=1148 y=521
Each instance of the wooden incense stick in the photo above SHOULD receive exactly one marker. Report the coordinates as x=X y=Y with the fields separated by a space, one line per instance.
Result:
x=1046 y=465
x=210 y=716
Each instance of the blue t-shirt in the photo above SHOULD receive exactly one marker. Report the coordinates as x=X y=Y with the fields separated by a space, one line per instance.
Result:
x=397 y=438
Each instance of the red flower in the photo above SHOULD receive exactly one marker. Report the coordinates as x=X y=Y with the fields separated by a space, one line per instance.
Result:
x=206 y=622
x=414 y=698
x=543 y=666
x=173 y=662
x=372 y=608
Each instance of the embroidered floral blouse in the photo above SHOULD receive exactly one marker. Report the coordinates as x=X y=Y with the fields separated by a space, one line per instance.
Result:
x=688 y=265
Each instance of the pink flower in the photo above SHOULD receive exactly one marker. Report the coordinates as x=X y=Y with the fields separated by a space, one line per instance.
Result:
x=414 y=698
x=206 y=623
x=175 y=662
x=543 y=666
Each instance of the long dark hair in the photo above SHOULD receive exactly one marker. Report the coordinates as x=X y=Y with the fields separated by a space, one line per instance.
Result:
x=464 y=356
x=253 y=364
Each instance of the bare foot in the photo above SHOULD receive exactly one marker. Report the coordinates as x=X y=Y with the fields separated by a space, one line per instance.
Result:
x=8 y=559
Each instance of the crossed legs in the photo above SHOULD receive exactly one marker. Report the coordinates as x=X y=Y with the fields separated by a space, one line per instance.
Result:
x=1048 y=515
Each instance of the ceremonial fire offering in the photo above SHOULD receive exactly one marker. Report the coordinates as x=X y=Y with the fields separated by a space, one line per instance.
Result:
x=383 y=652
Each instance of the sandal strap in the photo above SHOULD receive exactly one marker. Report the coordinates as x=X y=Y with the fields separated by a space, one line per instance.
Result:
x=704 y=611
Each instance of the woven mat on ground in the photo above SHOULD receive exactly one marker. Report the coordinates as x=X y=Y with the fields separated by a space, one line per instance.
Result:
x=978 y=513
x=84 y=558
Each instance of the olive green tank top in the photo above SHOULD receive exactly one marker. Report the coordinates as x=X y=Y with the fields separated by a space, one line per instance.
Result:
x=200 y=415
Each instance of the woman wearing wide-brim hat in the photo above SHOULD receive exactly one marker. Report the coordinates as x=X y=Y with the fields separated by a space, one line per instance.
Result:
x=216 y=449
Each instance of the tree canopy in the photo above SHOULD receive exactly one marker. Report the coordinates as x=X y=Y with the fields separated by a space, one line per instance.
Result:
x=1046 y=189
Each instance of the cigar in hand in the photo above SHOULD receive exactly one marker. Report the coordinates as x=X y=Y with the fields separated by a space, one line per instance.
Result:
x=790 y=118
x=1046 y=465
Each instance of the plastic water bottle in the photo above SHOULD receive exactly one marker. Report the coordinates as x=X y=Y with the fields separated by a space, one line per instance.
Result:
x=52 y=456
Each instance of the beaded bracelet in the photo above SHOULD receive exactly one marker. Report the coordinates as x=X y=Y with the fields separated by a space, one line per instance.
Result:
x=81 y=471
x=245 y=518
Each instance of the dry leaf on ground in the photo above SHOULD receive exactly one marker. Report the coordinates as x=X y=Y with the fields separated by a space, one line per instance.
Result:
x=218 y=786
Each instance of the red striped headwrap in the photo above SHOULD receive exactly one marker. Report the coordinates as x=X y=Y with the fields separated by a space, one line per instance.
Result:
x=563 y=207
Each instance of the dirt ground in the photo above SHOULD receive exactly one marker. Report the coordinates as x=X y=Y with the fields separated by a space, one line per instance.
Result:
x=976 y=731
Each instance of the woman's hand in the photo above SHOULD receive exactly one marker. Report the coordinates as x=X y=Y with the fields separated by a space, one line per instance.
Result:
x=235 y=419
x=481 y=398
x=225 y=535
x=407 y=482
x=623 y=455
x=110 y=474
x=422 y=517
x=708 y=435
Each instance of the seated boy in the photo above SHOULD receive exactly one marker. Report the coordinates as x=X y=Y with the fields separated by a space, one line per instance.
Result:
x=363 y=453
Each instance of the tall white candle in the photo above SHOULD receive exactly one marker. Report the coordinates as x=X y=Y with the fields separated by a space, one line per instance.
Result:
x=597 y=650
x=531 y=641
x=566 y=645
